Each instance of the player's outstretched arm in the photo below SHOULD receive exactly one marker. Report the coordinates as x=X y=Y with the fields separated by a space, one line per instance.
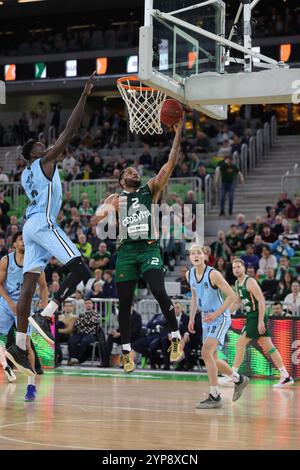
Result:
x=256 y=292
x=3 y=291
x=71 y=126
x=110 y=204
x=159 y=182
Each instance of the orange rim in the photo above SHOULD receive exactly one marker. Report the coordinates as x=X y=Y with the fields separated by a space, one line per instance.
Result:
x=133 y=78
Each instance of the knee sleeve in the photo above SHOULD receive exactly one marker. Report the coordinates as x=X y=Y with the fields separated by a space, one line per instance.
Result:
x=272 y=350
x=3 y=340
x=79 y=269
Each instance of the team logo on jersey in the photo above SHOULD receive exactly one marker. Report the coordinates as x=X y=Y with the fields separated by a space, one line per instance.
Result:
x=205 y=285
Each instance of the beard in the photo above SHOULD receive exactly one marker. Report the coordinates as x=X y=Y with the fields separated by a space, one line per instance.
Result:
x=133 y=183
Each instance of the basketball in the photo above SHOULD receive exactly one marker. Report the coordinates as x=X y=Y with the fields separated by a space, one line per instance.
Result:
x=171 y=112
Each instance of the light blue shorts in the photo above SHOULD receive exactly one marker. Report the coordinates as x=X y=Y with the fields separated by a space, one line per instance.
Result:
x=42 y=242
x=7 y=318
x=217 y=329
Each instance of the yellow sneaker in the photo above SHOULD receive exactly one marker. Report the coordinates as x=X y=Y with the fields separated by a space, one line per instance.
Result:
x=128 y=362
x=176 y=351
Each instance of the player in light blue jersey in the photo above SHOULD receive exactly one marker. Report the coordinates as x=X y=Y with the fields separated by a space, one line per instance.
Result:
x=11 y=280
x=43 y=237
x=207 y=287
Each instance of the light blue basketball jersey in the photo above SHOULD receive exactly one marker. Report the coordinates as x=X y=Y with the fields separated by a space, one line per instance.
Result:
x=14 y=277
x=209 y=298
x=45 y=195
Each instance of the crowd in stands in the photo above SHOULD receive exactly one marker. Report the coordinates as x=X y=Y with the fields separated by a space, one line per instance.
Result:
x=268 y=21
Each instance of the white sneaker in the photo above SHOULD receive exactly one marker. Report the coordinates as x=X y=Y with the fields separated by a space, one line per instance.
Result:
x=283 y=382
x=10 y=374
x=225 y=381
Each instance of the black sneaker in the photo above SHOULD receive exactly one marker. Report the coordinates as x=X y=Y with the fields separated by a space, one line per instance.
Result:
x=19 y=358
x=239 y=387
x=39 y=371
x=42 y=326
x=210 y=402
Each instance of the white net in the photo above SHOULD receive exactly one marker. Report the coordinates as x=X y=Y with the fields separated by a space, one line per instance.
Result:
x=144 y=107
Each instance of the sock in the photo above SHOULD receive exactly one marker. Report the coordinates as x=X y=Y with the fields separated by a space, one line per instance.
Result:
x=214 y=391
x=283 y=372
x=2 y=358
x=126 y=347
x=50 y=309
x=31 y=380
x=235 y=377
x=175 y=334
x=21 y=340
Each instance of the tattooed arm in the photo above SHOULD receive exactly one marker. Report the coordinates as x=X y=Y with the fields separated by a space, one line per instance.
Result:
x=159 y=182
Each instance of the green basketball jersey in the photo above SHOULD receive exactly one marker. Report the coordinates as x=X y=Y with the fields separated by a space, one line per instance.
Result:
x=135 y=216
x=250 y=304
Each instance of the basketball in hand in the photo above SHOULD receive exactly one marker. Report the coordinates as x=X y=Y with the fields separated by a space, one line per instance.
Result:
x=171 y=112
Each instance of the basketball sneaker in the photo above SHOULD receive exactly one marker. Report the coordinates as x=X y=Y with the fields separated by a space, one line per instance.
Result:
x=239 y=387
x=210 y=402
x=176 y=351
x=30 y=393
x=128 y=361
x=225 y=381
x=42 y=326
x=10 y=374
x=283 y=381
x=19 y=358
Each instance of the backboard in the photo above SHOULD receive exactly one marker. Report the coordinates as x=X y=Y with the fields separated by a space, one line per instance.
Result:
x=183 y=52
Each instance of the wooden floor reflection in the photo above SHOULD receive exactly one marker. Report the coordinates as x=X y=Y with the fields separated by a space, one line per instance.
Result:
x=88 y=412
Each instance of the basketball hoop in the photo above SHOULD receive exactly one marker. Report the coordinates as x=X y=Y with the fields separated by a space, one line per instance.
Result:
x=144 y=105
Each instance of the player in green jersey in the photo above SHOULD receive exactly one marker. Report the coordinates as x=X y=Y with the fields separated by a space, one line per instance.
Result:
x=252 y=299
x=139 y=252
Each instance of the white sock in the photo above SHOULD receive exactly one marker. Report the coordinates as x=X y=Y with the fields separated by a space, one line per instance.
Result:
x=126 y=347
x=2 y=358
x=175 y=334
x=50 y=309
x=214 y=391
x=283 y=372
x=21 y=340
x=31 y=380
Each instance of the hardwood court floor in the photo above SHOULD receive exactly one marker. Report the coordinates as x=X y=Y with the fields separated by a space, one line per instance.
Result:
x=83 y=409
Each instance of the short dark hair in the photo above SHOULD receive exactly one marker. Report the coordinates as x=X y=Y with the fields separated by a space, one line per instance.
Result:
x=15 y=236
x=277 y=303
x=27 y=148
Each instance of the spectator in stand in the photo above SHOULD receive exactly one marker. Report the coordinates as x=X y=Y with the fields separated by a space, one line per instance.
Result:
x=86 y=211
x=114 y=336
x=202 y=143
x=271 y=219
x=221 y=265
x=184 y=171
x=250 y=259
x=240 y=222
x=249 y=235
x=236 y=144
x=267 y=235
x=251 y=272
x=85 y=330
x=109 y=286
x=84 y=247
x=297 y=226
x=258 y=245
x=266 y=261
x=68 y=202
x=247 y=136
x=219 y=248
x=225 y=151
x=53 y=288
x=293 y=299
x=284 y=287
x=284 y=267
x=96 y=166
x=3 y=176
x=210 y=259
x=184 y=285
x=100 y=259
x=78 y=303
x=68 y=162
x=4 y=221
x=258 y=225
x=291 y=236
x=282 y=202
x=282 y=248
x=146 y=158
x=294 y=210
x=269 y=285
x=96 y=292
x=201 y=173
x=277 y=311
x=228 y=172
x=278 y=227
x=233 y=239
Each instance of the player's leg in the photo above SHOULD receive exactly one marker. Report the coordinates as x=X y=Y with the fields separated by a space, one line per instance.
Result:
x=269 y=348
x=125 y=292
x=156 y=282
x=208 y=354
x=31 y=388
x=241 y=345
x=7 y=370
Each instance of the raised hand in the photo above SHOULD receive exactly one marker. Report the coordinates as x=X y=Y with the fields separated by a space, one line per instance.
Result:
x=89 y=84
